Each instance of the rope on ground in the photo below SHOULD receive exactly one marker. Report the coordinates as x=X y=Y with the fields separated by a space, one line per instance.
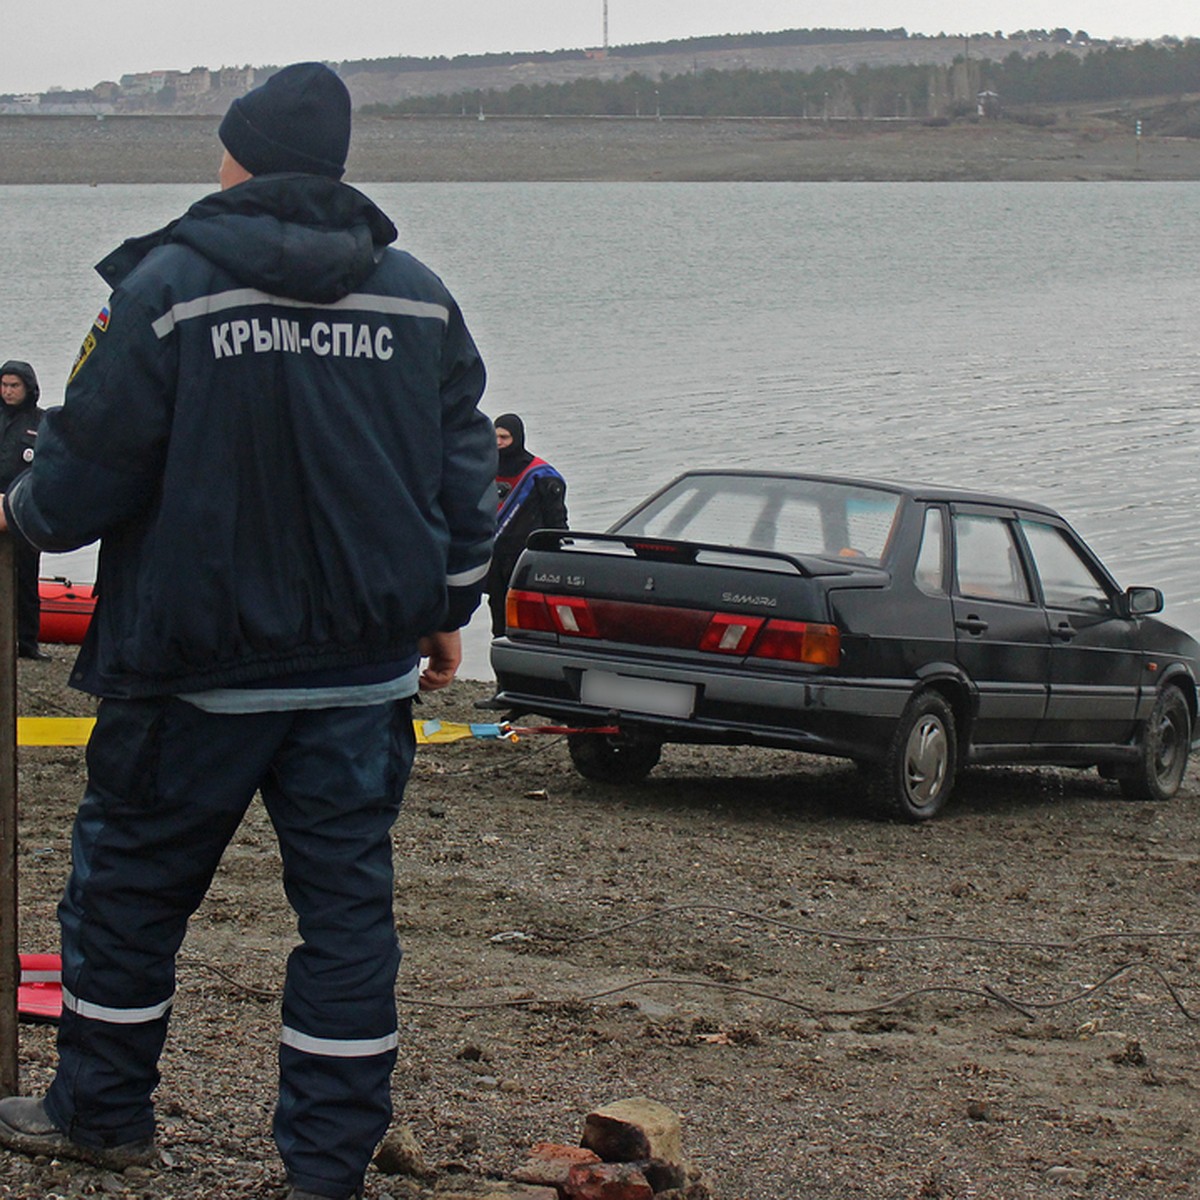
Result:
x=429 y=772
x=874 y=939
x=1026 y=1007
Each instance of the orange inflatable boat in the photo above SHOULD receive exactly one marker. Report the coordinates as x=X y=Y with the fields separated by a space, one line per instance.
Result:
x=66 y=610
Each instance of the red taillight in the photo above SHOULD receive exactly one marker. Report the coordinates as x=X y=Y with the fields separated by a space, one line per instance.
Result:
x=572 y=616
x=527 y=610
x=800 y=641
x=727 y=634
x=740 y=634
x=568 y=615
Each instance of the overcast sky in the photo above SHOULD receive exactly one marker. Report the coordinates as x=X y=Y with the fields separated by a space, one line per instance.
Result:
x=71 y=43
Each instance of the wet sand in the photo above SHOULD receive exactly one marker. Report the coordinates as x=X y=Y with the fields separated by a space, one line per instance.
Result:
x=185 y=150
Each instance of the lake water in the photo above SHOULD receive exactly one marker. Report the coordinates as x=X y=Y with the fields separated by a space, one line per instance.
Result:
x=1030 y=339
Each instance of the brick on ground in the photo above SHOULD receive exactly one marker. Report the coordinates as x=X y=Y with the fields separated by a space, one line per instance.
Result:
x=634 y=1130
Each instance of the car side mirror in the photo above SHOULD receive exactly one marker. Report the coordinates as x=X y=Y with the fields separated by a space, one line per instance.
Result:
x=1142 y=601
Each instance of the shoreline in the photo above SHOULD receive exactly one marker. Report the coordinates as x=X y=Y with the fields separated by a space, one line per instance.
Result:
x=145 y=149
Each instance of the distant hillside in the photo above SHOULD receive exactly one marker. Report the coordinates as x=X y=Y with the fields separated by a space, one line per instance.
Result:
x=387 y=81
x=374 y=84
x=391 y=81
x=971 y=86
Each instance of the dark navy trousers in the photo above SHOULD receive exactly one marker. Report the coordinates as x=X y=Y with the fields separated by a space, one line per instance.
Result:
x=168 y=785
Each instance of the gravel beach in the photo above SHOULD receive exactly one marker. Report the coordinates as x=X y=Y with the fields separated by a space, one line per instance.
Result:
x=1001 y=1003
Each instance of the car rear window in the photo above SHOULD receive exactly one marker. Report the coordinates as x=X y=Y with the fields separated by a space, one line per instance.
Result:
x=793 y=516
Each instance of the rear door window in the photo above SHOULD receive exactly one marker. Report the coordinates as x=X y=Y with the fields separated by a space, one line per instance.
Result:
x=988 y=559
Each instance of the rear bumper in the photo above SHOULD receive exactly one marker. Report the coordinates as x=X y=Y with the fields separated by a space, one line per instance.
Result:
x=732 y=706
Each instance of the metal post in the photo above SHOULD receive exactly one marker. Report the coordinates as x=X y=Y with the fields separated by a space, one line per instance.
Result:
x=9 y=957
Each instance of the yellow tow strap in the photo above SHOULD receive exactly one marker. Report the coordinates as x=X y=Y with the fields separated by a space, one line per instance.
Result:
x=54 y=731
x=75 y=731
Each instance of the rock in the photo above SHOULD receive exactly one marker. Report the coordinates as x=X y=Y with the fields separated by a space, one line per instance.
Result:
x=663 y=1176
x=607 y=1181
x=400 y=1154
x=1072 y=1175
x=634 y=1130
x=549 y=1164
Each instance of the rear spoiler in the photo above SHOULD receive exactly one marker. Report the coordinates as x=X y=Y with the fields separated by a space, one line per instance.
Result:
x=657 y=549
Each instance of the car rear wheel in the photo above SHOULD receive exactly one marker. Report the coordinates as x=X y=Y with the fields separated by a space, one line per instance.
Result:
x=613 y=758
x=916 y=777
x=1163 y=753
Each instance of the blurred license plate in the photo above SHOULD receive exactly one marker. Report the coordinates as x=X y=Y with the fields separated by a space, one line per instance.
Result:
x=606 y=690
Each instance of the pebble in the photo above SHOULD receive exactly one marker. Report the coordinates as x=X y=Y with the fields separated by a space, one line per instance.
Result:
x=1071 y=1175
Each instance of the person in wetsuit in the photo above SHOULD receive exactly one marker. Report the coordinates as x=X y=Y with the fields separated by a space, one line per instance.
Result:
x=531 y=495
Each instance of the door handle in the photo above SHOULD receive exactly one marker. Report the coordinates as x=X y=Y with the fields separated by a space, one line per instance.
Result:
x=972 y=624
x=1064 y=631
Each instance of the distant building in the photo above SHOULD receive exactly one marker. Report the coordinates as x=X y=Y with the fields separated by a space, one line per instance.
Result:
x=140 y=84
x=987 y=104
x=234 y=78
x=195 y=82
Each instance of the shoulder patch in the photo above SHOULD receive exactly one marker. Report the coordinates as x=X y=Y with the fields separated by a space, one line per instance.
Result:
x=85 y=352
x=101 y=321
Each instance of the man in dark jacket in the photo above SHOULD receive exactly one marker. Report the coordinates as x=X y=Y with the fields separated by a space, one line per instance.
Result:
x=530 y=494
x=19 y=420
x=273 y=428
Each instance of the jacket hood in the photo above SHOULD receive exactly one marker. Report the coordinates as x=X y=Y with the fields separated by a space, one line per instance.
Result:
x=15 y=366
x=514 y=458
x=305 y=237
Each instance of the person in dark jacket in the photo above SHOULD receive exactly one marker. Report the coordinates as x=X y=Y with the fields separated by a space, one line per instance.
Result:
x=19 y=420
x=530 y=494
x=273 y=429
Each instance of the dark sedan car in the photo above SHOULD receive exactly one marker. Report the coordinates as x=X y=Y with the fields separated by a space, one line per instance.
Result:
x=912 y=629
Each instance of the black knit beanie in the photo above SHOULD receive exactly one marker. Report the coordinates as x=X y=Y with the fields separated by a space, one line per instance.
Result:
x=299 y=120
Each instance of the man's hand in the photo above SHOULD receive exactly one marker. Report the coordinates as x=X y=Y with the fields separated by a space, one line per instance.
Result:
x=444 y=651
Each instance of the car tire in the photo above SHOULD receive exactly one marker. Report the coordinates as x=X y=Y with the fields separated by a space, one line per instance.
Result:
x=613 y=758
x=1163 y=751
x=916 y=776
